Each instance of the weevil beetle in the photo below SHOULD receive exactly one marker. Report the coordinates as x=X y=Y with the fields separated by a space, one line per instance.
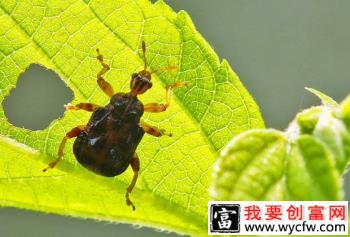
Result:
x=107 y=144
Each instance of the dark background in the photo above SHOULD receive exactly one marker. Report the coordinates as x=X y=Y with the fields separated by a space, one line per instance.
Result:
x=277 y=47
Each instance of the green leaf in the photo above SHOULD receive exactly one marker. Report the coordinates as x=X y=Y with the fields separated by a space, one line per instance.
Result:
x=175 y=172
x=326 y=100
x=311 y=173
x=306 y=162
x=344 y=113
x=251 y=166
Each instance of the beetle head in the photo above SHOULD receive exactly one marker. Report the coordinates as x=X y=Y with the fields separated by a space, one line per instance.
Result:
x=141 y=81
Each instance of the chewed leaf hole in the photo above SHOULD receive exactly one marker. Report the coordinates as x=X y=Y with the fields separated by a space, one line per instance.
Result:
x=37 y=99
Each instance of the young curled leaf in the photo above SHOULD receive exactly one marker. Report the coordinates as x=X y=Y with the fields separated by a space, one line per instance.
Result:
x=251 y=167
x=306 y=162
x=311 y=172
x=344 y=113
x=326 y=100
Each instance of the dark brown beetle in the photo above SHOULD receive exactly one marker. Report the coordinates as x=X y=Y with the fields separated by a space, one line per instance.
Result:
x=107 y=144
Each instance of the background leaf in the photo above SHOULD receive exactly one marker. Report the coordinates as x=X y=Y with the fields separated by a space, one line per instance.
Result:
x=63 y=36
x=304 y=163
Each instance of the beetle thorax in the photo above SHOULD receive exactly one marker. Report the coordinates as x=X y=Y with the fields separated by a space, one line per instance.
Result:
x=126 y=107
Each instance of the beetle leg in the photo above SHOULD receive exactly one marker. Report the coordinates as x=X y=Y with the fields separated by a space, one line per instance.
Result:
x=157 y=108
x=84 y=106
x=104 y=85
x=135 y=165
x=72 y=133
x=153 y=130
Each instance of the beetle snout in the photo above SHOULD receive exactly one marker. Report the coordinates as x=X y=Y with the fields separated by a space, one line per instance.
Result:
x=139 y=84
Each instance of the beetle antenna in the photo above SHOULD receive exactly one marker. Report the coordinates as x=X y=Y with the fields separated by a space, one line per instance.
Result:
x=168 y=68
x=144 y=54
